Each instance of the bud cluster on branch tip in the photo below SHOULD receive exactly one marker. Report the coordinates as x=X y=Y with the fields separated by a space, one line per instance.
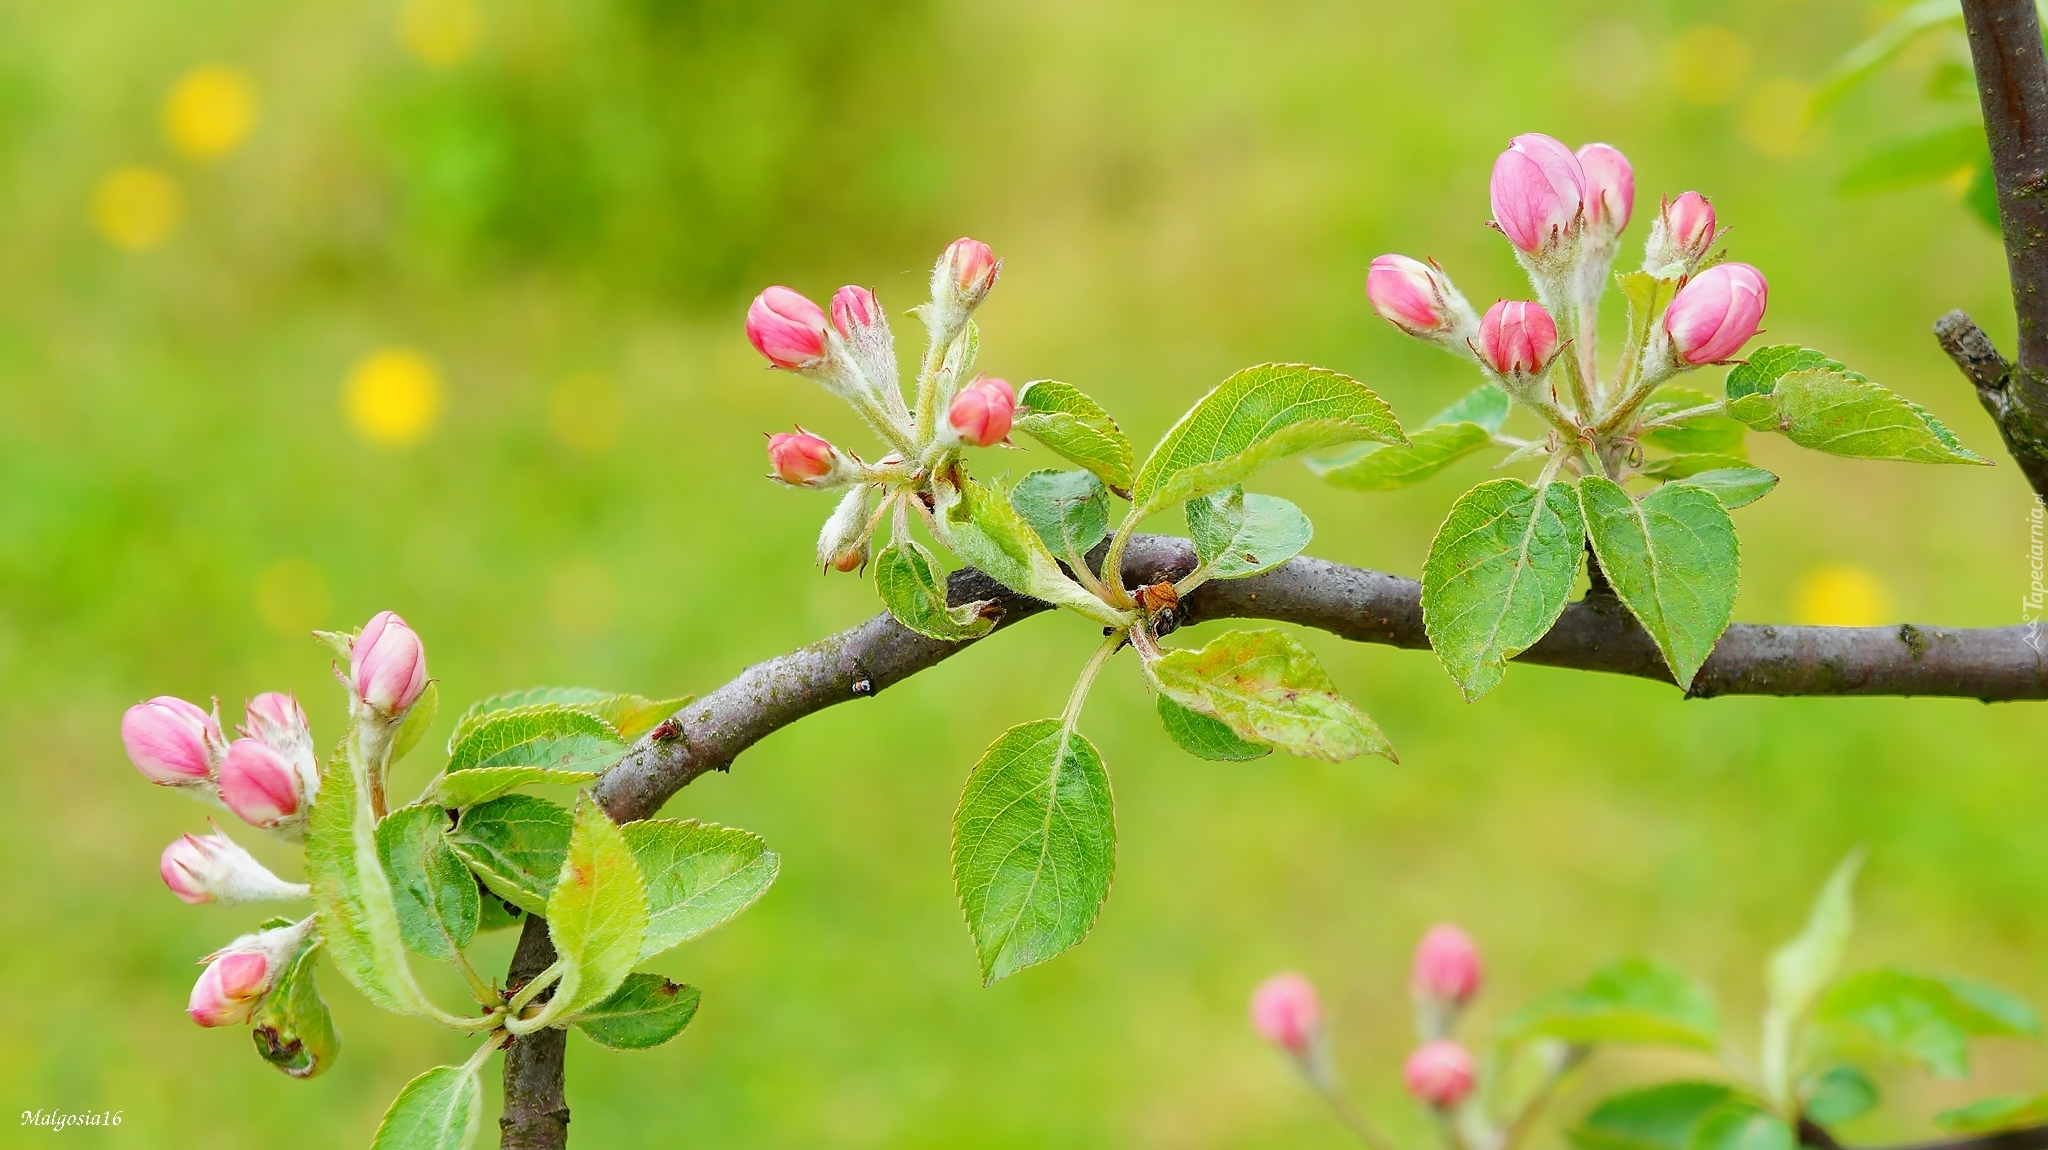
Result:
x=239 y=975
x=1285 y=1012
x=1716 y=313
x=1439 y=1074
x=1447 y=967
x=1610 y=190
x=982 y=412
x=1517 y=340
x=1681 y=238
x=801 y=459
x=1538 y=195
x=387 y=665
x=786 y=328
x=1419 y=299
x=213 y=868
x=173 y=742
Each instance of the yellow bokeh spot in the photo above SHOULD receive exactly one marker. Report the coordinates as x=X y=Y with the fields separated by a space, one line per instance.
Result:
x=393 y=396
x=1775 y=116
x=210 y=112
x=580 y=598
x=292 y=596
x=585 y=411
x=1707 y=63
x=136 y=208
x=439 y=32
x=1840 y=595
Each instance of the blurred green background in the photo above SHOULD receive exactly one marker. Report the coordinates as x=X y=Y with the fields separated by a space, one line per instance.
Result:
x=310 y=309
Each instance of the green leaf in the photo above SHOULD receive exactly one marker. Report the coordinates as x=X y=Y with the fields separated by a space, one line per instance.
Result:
x=293 y=1030
x=1672 y=558
x=1636 y=1000
x=1238 y=535
x=1802 y=967
x=698 y=876
x=1269 y=689
x=630 y=715
x=417 y=720
x=1687 y=466
x=1486 y=405
x=1864 y=60
x=1841 y=1094
x=1497 y=576
x=1733 y=486
x=1059 y=416
x=1204 y=737
x=439 y=1110
x=1998 y=1011
x=554 y=735
x=1919 y=1018
x=1256 y=417
x=1990 y=1115
x=1034 y=842
x=352 y=898
x=984 y=530
x=1383 y=467
x=432 y=891
x=516 y=844
x=1926 y=158
x=1759 y=374
x=1843 y=414
x=497 y=913
x=597 y=914
x=1068 y=509
x=1743 y=1128
x=910 y=589
x=1661 y=1117
x=467 y=788
x=1980 y=199
x=644 y=1012
x=1702 y=434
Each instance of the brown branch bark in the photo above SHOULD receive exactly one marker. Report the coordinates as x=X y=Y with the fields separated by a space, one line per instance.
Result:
x=1814 y=1137
x=536 y=1115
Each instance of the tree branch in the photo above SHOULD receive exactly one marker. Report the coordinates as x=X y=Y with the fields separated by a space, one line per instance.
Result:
x=536 y=1115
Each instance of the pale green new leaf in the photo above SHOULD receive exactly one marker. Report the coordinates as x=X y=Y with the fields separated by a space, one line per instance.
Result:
x=417 y=720
x=432 y=891
x=475 y=785
x=1733 y=486
x=1385 y=467
x=644 y=1012
x=1204 y=737
x=1486 y=405
x=1743 y=1128
x=597 y=914
x=1269 y=689
x=1926 y=158
x=293 y=1029
x=1636 y=1000
x=516 y=844
x=1990 y=1115
x=352 y=898
x=439 y=1110
x=1842 y=414
x=1840 y=1094
x=1059 y=416
x=985 y=531
x=1256 y=417
x=559 y=736
x=1497 y=576
x=698 y=876
x=910 y=589
x=1667 y=1116
x=1919 y=1018
x=1068 y=509
x=1864 y=60
x=1034 y=843
x=1760 y=372
x=630 y=715
x=1801 y=968
x=1702 y=434
x=1672 y=558
x=1237 y=535
x=1687 y=466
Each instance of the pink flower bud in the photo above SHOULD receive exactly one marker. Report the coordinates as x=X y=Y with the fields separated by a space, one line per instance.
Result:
x=982 y=411
x=212 y=868
x=1682 y=237
x=1517 y=339
x=854 y=308
x=229 y=989
x=260 y=785
x=1285 y=1012
x=1409 y=294
x=968 y=269
x=387 y=665
x=1716 y=313
x=172 y=741
x=1447 y=966
x=787 y=329
x=1610 y=189
x=1538 y=189
x=800 y=459
x=1439 y=1073
x=274 y=717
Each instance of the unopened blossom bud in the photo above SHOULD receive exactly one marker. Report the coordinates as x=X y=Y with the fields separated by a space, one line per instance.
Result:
x=982 y=412
x=1682 y=237
x=801 y=459
x=965 y=273
x=1447 y=967
x=787 y=329
x=1516 y=339
x=276 y=720
x=212 y=868
x=1285 y=1012
x=239 y=975
x=387 y=665
x=172 y=742
x=843 y=543
x=1716 y=313
x=1538 y=191
x=1418 y=298
x=1610 y=189
x=261 y=786
x=853 y=309
x=1439 y=1074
